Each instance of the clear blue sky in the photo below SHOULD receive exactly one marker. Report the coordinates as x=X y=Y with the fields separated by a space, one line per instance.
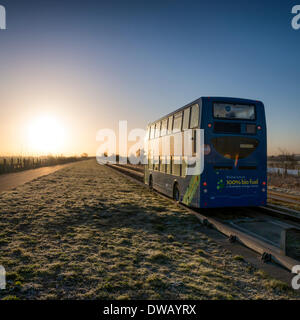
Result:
x=93 y=63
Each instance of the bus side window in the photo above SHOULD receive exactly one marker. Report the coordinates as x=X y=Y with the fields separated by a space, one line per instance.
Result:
x=176 y=166
x=162 y=165
x=170 y=125
x=177 y=122
x=152 y=132
x=194 y=142
x=150 y=163
x=186 y=119
x=164 y=126
x=157 y=129
x=169 y=164
x=156 y=163
x=183 y=167
x=194 y=116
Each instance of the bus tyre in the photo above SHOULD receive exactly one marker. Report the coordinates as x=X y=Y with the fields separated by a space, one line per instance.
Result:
x=150 y=183
x=176 y=193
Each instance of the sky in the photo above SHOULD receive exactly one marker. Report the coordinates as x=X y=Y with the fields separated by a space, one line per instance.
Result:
x=88 y=64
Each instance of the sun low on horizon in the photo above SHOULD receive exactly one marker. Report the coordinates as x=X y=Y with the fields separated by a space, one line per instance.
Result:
x=46 y=134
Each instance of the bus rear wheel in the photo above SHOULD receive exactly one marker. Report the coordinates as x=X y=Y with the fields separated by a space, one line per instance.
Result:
x=176 y=192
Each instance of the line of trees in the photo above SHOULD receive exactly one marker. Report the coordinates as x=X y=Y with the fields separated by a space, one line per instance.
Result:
x=285 y=161
x=15 y=164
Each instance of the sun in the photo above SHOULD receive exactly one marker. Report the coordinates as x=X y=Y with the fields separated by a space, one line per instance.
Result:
x=46 y=135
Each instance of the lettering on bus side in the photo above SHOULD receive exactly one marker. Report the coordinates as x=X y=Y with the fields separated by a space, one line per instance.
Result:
x=238 y=181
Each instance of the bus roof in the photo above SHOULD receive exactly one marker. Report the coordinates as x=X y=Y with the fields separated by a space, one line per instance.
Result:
x=199 y=100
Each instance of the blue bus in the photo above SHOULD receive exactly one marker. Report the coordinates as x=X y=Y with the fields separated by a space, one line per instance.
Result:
x=234 y=157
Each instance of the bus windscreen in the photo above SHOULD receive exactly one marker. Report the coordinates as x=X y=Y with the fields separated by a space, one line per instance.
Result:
x=234 y=111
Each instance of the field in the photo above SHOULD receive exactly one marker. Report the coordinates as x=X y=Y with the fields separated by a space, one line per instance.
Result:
x=287 y=184
x=86 y=232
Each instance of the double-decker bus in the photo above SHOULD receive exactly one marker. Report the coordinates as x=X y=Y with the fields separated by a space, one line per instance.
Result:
x=234 y=157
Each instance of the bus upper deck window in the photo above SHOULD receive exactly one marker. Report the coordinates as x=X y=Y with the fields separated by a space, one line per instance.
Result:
x=186 y=119
x=194 y=116
x=157 y=129
x=164 y=125
x=170 y=125
x=177 y=122
x=152 y=131
x=234 y=111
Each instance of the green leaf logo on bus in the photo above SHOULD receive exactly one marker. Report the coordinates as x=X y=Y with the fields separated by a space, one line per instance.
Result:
x=220 y=184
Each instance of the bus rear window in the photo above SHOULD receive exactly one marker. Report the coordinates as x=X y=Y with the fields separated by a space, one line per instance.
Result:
x=234 y=111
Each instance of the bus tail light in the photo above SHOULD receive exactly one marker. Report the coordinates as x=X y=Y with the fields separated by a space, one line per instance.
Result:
x=264 y=183
x=258 y=127
x=205 y=184
x=209 y=125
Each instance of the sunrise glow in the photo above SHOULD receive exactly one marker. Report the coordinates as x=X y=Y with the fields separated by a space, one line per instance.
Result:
x=46 y=135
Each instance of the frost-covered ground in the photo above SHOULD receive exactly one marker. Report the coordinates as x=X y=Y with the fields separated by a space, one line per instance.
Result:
x=86 y=232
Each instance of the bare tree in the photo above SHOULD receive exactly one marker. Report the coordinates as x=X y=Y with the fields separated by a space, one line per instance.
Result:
x=287 y=160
